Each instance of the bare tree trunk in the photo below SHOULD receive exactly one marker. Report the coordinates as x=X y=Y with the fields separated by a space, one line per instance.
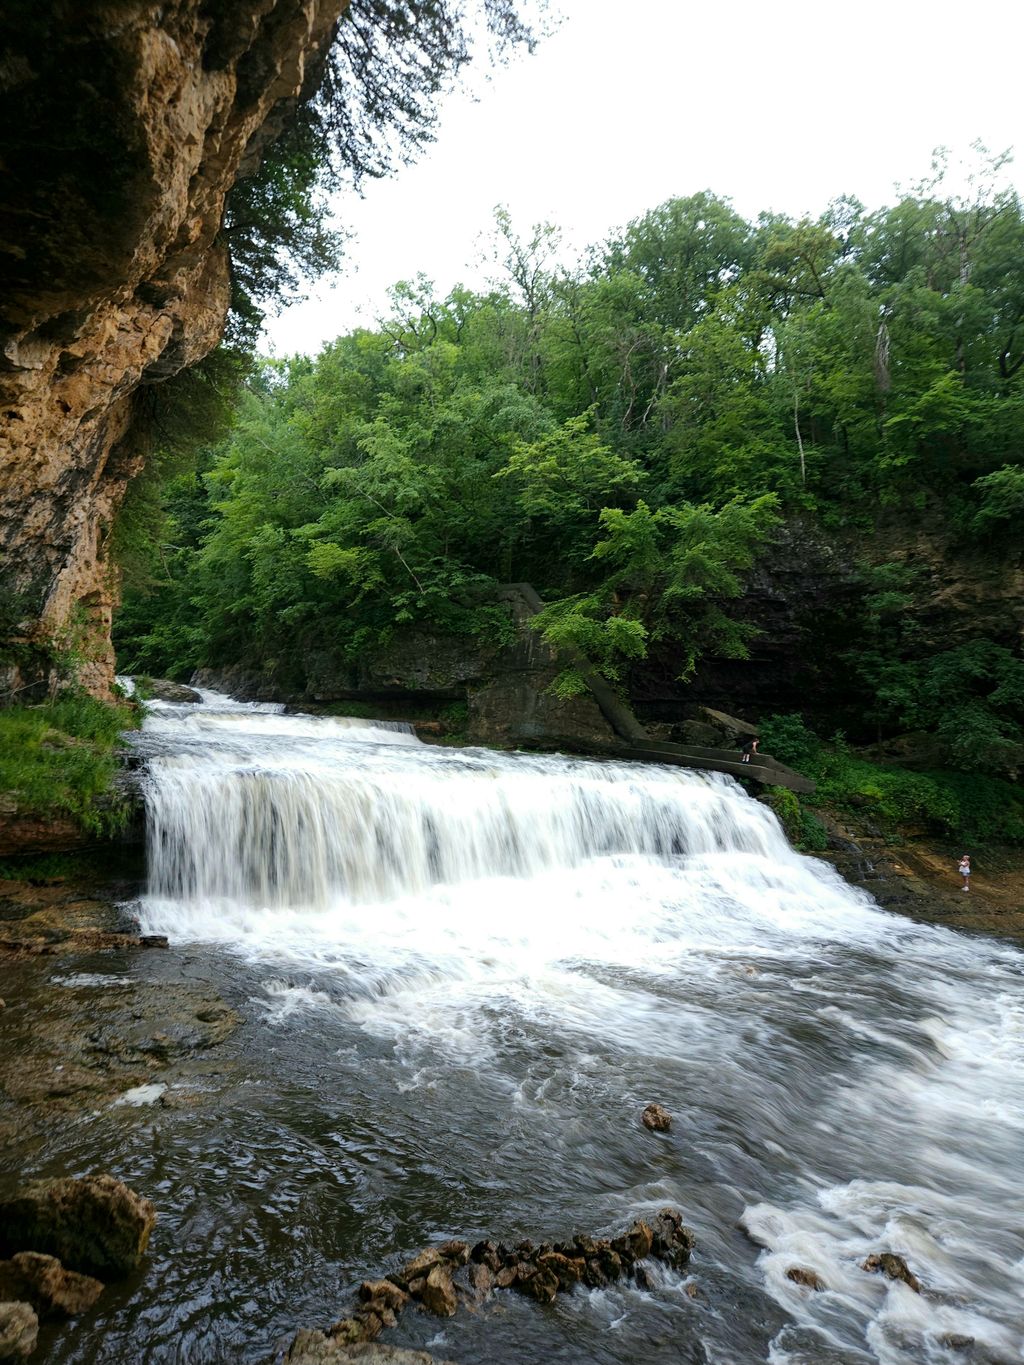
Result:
x=799 y=438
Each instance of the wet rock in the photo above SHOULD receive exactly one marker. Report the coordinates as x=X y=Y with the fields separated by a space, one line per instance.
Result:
x=42 y=940
x=371 y=1324
x=893 y=1267
x=418 y=1268
x=481 y=1278
x=643 y=1278
x=538 y=1272
x=593 y=1276
x=672 y=1242
x=455 y=1251
x=44 y=1283
x=96 y=1226
x=956 y=1342
x=165 y=690
x=384 y=1292
x=438 y=1293
x=656 y=1118
x=636 y=1243
x=313 y=1348
x=87 y=1043
x=810 y=1279
x=346 y=1332
x=19 y=1328
x=542 y=1284
x=486 y=1253
x=568 y=1270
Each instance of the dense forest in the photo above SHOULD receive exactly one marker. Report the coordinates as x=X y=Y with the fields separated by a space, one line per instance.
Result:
x=631 y=436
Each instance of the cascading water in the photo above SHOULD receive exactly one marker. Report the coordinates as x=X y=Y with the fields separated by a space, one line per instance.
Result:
x=505 y=956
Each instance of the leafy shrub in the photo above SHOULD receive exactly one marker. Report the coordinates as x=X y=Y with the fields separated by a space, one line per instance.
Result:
x=789 y=740
x=1002 y=500
x=972 y=806
x=786 y=805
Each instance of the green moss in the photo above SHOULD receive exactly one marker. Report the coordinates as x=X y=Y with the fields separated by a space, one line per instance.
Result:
x=60 y=759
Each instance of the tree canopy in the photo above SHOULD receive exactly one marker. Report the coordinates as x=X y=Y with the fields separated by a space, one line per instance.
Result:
x=628 y=435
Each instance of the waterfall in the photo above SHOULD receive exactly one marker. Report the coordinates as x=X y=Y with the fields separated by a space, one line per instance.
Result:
x=354 y=811
x=555 y=935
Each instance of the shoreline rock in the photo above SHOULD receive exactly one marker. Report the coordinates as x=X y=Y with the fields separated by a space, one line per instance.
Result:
x=95 y=1226
x=43 y=1282
x=19 y=1331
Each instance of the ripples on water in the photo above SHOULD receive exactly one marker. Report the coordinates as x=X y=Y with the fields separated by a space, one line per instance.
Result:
x=465 y=972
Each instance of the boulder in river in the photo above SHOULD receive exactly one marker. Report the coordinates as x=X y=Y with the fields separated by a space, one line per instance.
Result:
x=97 y=1225
x=656 y=1118
x=893 y=1267
x=810 y=1279
x=165 y=690
x=19 y=1328
x=44 y=1283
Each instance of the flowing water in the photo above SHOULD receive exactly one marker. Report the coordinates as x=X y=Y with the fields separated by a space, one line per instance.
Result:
x=464 y=973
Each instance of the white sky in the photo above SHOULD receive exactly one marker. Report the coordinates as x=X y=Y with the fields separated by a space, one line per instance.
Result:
x=778 y=106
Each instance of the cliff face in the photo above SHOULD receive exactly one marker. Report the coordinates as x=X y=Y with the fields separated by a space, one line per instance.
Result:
x=805 y=597
x=124 y=124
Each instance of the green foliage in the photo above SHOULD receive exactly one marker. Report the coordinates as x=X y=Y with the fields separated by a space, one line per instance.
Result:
x=59 y=758
x=1001 y=501
x=627 y=436
x=963 y=806
x=786 y=805
x=665 y=573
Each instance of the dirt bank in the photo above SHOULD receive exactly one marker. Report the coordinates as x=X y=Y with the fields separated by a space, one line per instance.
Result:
x=918 y=877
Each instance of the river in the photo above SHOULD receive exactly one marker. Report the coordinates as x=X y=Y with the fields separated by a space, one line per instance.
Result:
x=463 y=974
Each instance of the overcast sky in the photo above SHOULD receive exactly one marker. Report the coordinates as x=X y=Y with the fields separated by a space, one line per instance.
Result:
x=778 y=106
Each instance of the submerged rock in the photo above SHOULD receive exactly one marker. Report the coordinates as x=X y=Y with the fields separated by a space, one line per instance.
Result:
x=656 y=1118
x=44 y=1283
x=893 y=1267
x=82 y=1041
x=96 y=1225
x=19 y=1329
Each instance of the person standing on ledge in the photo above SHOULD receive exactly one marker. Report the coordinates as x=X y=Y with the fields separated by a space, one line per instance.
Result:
x=965 y=871
x=749 y=748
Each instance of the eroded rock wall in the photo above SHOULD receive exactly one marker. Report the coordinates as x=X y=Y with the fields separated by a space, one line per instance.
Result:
x=123 y=125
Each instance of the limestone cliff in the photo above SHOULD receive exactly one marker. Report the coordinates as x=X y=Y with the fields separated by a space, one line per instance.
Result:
x=123 y=124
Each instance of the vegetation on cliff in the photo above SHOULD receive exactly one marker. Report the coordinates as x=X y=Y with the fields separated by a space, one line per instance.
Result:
x=627 y=436
x=59 y=759
x=897 y=800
